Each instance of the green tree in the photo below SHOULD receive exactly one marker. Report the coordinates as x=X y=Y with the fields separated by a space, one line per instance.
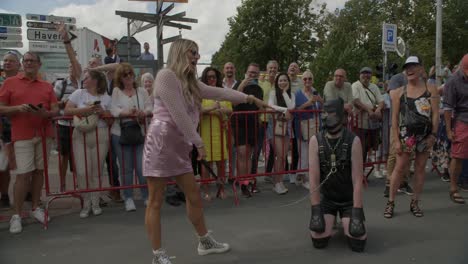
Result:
x=269 y=29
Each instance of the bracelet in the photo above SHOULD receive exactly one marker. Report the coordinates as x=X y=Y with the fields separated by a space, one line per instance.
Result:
x=67 y=42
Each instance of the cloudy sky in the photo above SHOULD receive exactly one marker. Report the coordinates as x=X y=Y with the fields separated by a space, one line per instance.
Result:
x=99 y=16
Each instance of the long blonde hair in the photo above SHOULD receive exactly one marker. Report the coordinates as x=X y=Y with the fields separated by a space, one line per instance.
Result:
x=178 y=61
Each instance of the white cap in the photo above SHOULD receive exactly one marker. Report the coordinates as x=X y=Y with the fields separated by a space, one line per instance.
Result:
x=411 y=60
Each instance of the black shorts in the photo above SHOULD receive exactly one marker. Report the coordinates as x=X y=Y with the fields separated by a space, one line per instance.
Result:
x=332 y=208
x=65 y=139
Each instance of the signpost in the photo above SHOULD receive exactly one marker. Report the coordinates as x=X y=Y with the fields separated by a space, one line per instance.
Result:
x=10 y=20
x=10 y=31
x=44 y=25
x=44 y=35
x=52 y=18
x=56 y=47
x=11 y=44
x=159 y=19
x=9 y=37
x=389 y=42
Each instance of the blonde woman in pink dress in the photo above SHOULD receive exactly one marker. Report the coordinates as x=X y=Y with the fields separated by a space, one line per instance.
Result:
x=173 y=130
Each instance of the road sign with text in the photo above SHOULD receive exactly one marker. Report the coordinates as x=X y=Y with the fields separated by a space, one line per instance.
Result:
x=69 y=20
x=10 y=20
x=11 y=44
x=10 y=30
x=57 y=47
x=10 y=37
x=389 y=37
x=44 y=25
x=44 y=35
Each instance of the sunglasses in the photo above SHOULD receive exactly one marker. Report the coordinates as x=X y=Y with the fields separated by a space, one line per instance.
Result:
x=194 y=52
x=307 y=79
x=213 y=77
x=127 y=74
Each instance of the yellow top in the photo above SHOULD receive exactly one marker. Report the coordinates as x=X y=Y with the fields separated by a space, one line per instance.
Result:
x=211 y=129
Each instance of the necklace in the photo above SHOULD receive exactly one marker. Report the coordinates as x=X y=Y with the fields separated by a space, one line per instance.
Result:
x=333 y=150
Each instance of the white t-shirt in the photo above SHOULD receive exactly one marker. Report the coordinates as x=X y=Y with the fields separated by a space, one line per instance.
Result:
x=81 y=98
x=122 y=102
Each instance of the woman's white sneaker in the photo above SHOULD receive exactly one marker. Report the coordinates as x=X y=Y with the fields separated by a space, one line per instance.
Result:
x=85 y=212
x=160 y=257
x=15 y=224
x=280 y=188
x=208 y=245
x=129 y=205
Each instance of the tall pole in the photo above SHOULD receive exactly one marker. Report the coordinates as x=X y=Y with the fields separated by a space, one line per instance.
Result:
x=128 y=40
x=384 y=65
x=159 y=35
x=438 y=58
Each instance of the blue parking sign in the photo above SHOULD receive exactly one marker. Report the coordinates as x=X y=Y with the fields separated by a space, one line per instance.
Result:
x=389 y=35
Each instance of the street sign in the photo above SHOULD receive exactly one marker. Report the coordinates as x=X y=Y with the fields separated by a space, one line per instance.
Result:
x=47 y=47
x=10 y=37
x=122 y=48
x=389 y=37
x=10 y=30
x=52 y=18
x=11 y=44
x=44 y=35
x=47 y=25
x=10 y=20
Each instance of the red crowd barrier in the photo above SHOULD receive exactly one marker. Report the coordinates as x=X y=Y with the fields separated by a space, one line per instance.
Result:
x=248 y=134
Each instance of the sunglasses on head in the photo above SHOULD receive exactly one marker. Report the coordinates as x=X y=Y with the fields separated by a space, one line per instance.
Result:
x=125 y=75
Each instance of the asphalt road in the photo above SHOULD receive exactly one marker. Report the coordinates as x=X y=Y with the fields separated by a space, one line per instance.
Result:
x=264 y=229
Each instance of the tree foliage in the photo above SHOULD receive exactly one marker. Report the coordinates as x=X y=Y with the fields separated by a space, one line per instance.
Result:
x=269 y=29
x=350 y=38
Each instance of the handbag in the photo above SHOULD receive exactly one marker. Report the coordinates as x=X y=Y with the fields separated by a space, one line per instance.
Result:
x=130 y=131
x=281 y=126
x=308 y=128
x=413 y=120
x=85 y=124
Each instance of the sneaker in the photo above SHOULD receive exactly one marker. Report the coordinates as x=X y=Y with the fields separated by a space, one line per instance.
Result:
x=146 y=202
x=386 y=191
x=160 y=257
x=96 y=210
x=292 y=178
x=208 y=245
x=445 y=177
x=279 y=188
x=306 y=185
x=85 y=212
x=463 y=186
x=172 y=200
x=378 y=174
x=245 y=191
x=39 y=215
x=15 y=224
x=405 y=188
x=129 y=205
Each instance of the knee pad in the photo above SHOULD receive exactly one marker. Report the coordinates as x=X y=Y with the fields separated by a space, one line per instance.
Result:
x=356 y=245
x=320 y=243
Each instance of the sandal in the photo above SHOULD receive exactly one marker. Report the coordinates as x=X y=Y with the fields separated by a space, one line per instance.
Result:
x=414 y=208
x=456 y=197
x=388 y=213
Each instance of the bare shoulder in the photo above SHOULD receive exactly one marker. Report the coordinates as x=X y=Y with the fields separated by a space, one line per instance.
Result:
x=396 y=93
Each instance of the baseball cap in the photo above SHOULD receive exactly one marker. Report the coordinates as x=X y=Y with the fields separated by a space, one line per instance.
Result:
x=411 y=60
x=365 y=69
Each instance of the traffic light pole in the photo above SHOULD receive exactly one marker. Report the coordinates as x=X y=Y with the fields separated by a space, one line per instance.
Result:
x=159 y=35
x=438 y=58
